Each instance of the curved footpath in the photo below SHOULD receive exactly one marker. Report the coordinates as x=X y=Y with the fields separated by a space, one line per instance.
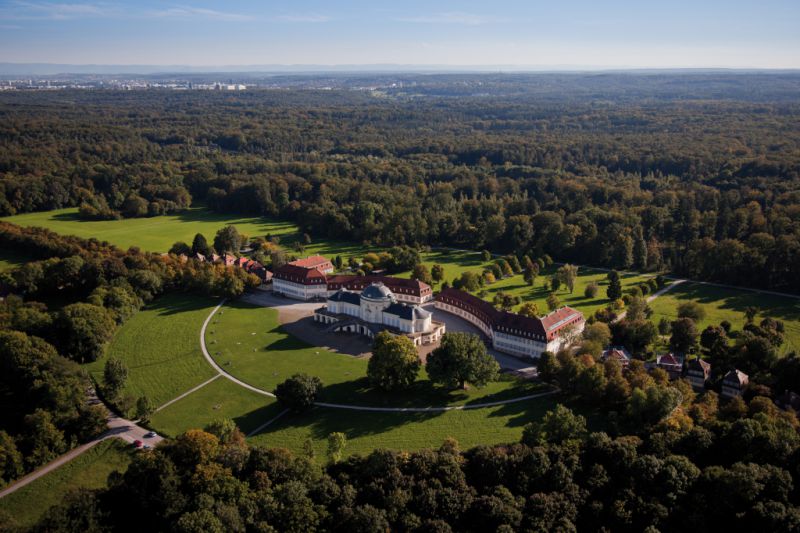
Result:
x=241 y=383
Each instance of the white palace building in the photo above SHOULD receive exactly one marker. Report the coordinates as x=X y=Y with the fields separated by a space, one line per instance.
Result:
x=511 y=333
x=377 y=309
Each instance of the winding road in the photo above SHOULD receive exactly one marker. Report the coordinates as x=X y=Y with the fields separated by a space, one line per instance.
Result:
x=118 y=427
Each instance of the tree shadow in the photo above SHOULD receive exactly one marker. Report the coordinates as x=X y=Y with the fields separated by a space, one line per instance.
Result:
x=72 y=216
x=322 y=421
x=181 y=302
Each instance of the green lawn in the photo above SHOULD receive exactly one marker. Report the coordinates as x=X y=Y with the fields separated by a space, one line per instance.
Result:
x=11 y=259
x=248 y=342
x=161 y=347
x=89 y=470
x=411 y=431
x=538 y=294
x=219 y=399
x=155 y=234
x=729 y=304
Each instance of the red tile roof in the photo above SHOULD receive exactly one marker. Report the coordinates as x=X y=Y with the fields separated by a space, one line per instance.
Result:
x=314 y=261
x=736 y=378
x=396 y=285
x=560 y=319
x=512 y=323
x=296 y=274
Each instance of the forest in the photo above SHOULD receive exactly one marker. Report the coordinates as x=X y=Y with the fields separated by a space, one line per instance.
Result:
x=699 y=175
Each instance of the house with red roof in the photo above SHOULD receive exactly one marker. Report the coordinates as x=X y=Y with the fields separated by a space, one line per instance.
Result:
x=734 y=383
x=509 y=332
x=671 y=363
x=299 y=283
x=617 y=353
x=315 y=261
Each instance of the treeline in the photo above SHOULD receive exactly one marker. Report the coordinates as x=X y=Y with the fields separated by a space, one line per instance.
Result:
x=648 y=185
x=63 y=310
x=728 y=469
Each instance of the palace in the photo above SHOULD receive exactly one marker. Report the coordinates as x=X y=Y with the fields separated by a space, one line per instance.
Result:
x=309 y=283
x=512 y=333
x=377 y=309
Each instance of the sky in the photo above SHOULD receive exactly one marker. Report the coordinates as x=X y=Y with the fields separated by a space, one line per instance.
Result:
x=532 y=34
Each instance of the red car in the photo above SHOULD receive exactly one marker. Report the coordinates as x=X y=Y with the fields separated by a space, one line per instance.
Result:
x=138 y=444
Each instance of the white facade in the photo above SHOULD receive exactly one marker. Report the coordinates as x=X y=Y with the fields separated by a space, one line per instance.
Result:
x=469 y=317
x=515 y=345
x=376 y=305
x=299 y=291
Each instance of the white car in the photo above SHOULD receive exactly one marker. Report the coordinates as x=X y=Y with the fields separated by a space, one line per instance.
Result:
x=150 y=434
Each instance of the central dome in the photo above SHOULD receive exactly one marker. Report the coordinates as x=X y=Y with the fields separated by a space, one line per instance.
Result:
x=377 y=291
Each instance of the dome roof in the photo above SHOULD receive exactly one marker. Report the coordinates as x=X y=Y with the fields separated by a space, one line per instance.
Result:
x=377 y=291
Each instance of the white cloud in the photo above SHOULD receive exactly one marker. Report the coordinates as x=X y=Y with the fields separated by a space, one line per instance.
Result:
x=56 y=11
x=186 y=12
x=303 y=17
x=453 y=17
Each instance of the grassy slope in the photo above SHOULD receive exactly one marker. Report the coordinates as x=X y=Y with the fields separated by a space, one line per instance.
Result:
x=219 y=399
x=248 y=342
x=88 y=470
x=729 y=304
x=161 y=347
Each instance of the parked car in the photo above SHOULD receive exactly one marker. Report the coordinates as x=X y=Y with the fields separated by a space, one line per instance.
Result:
x=137 y=443
x=150 y=434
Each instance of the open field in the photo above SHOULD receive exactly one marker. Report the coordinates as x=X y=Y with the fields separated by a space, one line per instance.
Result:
x=161 y=347
x=729 y=304
x=10 y=259
x=247 y=341
x=89 y=470
x=402 y=431
x=156 y=234
x=219 y=399
x=410 y=431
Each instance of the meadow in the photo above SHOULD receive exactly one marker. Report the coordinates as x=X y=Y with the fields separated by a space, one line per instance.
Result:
x=160 y=345
x=249 y=343
x=729 y=304
x=89 y=470
x=219 y=399
x=156 y=234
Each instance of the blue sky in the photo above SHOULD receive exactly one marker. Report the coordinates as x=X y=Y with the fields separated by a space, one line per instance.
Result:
x=533 y=33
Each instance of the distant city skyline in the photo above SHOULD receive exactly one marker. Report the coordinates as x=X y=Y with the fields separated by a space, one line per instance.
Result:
x=510 y=34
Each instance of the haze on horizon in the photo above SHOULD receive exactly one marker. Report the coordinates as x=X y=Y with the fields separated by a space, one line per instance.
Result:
x=537 y=34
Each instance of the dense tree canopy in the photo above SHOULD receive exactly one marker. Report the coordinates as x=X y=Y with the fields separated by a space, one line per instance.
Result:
x=707 y=187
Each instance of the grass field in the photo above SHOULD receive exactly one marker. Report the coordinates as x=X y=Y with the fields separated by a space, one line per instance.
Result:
x=155 y=234
x=729 y=304
x=89 y=470
x=10 y=259
x=219 y=399
x=248 y=342
x=161 y=347
x=411 y=431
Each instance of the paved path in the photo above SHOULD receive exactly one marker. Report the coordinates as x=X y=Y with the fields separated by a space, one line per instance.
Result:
x=187 y=393
x=435 y=409
x=117 y=428
x=214 y=363
x=656 y=294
